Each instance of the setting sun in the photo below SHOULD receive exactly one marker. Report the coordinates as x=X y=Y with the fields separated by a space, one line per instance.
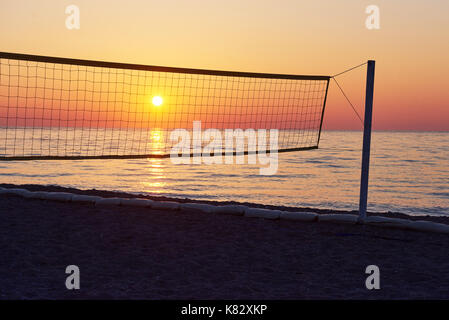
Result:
x=157 y=101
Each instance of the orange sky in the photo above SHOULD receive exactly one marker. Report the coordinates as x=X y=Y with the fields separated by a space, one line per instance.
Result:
x=288 y=36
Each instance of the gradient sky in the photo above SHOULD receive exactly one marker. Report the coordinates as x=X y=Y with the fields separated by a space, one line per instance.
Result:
x=299 y=37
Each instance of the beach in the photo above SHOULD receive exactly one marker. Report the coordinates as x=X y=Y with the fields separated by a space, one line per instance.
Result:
x=417 y=185
x=142 y=253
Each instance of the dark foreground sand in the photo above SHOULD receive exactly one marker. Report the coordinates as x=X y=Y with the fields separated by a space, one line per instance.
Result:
x=139 y=253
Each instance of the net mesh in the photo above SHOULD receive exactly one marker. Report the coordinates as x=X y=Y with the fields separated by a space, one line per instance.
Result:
x=65 y=108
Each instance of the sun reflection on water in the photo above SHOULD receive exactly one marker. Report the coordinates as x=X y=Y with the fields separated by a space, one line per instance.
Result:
x=156 y=178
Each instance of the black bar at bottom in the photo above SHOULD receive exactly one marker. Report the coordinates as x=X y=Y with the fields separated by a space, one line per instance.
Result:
x=137 y=156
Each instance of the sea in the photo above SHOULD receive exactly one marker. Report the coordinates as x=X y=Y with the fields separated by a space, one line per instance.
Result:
x=409 y=173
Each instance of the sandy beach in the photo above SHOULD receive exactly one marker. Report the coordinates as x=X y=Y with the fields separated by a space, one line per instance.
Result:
x=141 y=253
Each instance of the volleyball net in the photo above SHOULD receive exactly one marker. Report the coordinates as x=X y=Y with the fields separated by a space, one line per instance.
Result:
x=60 y=108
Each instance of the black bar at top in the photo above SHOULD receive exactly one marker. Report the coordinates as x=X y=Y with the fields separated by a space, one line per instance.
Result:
x=117 y=65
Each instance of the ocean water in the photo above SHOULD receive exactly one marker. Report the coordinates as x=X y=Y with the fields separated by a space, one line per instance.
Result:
x=409 y=173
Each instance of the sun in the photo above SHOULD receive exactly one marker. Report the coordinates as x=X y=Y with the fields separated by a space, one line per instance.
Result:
x=157 y=101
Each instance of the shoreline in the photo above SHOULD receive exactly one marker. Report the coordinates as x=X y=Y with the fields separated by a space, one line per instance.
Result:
x=120 y=194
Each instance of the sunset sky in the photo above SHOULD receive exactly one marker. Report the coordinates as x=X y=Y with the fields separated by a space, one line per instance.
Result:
x=297 y=37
